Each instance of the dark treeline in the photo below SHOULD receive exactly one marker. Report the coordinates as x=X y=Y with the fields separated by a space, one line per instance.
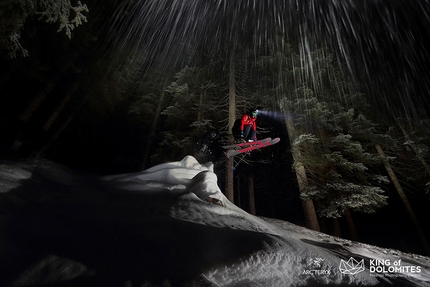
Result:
x=141 y=84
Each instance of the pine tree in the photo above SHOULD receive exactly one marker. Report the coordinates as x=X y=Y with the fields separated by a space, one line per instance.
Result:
x=387 y=143
x=332 y=167
x=191 y=111
x=13 y=15
x=341 y=175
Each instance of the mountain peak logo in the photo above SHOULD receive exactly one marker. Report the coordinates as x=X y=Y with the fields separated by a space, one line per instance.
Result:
x=351 y=266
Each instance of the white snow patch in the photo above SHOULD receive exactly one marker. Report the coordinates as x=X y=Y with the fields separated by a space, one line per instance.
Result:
x=162 y=205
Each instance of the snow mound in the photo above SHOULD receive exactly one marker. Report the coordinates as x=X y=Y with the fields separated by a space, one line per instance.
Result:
x=169 y=225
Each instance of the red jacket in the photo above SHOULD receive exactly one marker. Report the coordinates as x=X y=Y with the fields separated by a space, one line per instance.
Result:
x=248 y=120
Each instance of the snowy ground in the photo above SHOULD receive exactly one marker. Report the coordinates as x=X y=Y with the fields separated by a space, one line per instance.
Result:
x=168 y=226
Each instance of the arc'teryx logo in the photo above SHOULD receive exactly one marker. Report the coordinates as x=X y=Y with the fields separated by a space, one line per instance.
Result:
x=351 y=266
x=314 y=267
x=317 y=262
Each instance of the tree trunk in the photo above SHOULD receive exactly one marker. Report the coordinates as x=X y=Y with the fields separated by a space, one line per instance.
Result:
x=152 y=131
x=30 y=109
x=403 y=198
x=336 y=227
x=57 y=111
x=229 y=180
x=231 y=120
x=308 y=205
x=37 y=101
x=324 y=227
x=199 y=111
x=238 y=191
x=52 y=139
x=251 y=198
x=351 y=225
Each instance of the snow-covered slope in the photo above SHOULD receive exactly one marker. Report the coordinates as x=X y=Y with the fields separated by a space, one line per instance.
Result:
x=168 y=226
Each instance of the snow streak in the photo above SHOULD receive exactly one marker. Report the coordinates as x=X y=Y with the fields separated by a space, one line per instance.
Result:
x=382 y=43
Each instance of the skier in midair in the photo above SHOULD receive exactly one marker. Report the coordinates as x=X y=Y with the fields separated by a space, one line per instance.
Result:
x=248 y=126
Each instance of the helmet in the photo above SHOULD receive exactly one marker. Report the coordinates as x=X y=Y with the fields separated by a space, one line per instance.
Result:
x=254 y=112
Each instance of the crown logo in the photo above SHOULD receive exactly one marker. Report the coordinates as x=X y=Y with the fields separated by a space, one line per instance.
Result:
x=351 y=266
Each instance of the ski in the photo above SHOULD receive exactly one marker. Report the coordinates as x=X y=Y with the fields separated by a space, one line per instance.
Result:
x=245 y=144
x=248 y=147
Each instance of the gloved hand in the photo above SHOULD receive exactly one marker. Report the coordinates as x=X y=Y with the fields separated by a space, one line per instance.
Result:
x=241 y=134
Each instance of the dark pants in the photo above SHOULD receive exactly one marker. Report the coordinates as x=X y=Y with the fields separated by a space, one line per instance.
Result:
x=249 y=134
